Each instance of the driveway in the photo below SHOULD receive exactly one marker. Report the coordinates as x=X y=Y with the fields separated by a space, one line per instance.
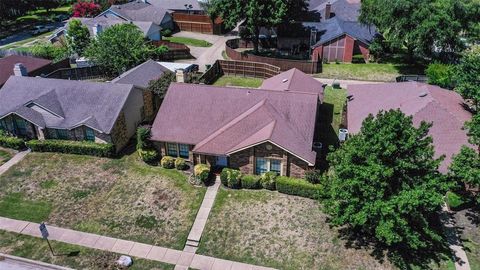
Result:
x=205 y=55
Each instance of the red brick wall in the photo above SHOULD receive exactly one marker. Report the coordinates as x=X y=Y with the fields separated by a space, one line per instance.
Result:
x=348 y=51
x=364 y=49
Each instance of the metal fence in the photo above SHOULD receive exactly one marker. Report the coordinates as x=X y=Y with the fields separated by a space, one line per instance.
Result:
x=84 y=73
x=414 y=78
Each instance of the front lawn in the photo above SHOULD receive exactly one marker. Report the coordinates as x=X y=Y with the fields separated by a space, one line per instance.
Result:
x=5 y=155
x=189 y=41
x=122 y=198
x=385 y=72
x=73 y=256
x=276 y=230
x=468 y=222
x=238 y=81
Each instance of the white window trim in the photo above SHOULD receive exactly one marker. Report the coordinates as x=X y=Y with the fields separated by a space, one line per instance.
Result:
x=268 y=160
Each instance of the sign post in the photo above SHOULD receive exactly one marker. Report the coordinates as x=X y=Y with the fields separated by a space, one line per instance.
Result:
x=44 y=231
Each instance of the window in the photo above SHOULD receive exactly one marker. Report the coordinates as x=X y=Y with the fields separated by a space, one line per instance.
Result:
x=3 y=125
x=172 y=149
x=21 y=126
x=89 y=134
x=263 y=165
x=62 y=134
x=183 y=150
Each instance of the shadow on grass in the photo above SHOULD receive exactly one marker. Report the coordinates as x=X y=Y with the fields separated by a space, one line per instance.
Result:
x=325 y=133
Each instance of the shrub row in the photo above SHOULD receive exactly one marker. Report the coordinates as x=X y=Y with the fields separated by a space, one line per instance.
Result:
x=11 y=142
x=230 y=178
x=298 y=187
x=148 y=155
x=72 y=147
x=202 y=172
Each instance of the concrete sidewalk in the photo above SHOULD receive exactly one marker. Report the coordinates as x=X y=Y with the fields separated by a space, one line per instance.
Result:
x=460 y=257
x=181 y=259
x=17 y=158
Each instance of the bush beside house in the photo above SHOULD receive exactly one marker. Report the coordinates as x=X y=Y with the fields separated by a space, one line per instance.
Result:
x=72 y=147
x=298 y=187
x=250 y=182
x=202 y=172
x=11 y=142
x=167 y=162
x=231 y=178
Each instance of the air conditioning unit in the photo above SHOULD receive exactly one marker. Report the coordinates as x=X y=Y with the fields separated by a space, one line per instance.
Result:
x=342 y=134
x=317 y=145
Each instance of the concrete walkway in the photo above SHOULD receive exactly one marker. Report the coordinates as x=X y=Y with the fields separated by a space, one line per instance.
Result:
x=202 y=216
x=181 y=259
x=460 y=257
x=18 y=263
x=17 y=158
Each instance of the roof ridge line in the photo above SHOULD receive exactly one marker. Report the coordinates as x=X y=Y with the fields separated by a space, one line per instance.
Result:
x=230 y=123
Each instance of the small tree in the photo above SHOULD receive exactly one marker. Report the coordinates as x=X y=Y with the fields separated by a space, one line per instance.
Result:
x=465 y=168
x=121 y=47
x=467 y=75
x=474 y=129
x=385 y=182
x=143 y=137
x=160 y=86
x=49 y=51
x=78 y=37
x=86 y=9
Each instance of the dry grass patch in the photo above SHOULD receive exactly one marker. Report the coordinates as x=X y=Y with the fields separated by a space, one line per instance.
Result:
x=6 y=154
x=277 y=230
x=122 y=198
x=468 y=222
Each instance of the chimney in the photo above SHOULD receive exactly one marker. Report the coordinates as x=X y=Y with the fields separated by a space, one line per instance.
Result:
x=180 y=74
x=20 y=70
x=328 y=11
x=97 y=29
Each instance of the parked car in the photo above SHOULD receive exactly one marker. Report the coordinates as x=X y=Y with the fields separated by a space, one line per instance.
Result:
x=62 y=17
x=40 y=29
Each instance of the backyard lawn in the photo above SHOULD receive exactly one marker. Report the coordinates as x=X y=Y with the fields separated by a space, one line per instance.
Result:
x=238 y=81
x=281 y=231
x=386 y=72
x=189 y=41
x=121 y=198
x=76 y=257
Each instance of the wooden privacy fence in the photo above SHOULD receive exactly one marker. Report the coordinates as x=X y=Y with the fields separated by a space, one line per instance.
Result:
x=306 y=66
x=176 y=51
x=239 y=68
x=197 y=23
x=84 y=73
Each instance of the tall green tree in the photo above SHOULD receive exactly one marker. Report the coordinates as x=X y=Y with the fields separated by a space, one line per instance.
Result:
x=385 y=182
x=467 y=75
x=256 y=13
x=427 y=28
x=121 y=47
x=473 y=128
x=78 y=37
x=465 y=168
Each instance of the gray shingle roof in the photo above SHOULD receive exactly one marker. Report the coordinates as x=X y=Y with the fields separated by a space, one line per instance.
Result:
x=176 y=4
x=140 y=11
x=106 y=22
x=335 y=27
x=142 y=74
x=64 y=104
x=347 y=10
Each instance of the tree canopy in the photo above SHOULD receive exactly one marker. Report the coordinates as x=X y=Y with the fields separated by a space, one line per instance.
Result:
x=256 y=13
x=160 y=86
x=473 y=128
x=385 y=182
x=428 y=28
x=465 y=168
x=467 y=75
x=121 y=47
x=78 y=37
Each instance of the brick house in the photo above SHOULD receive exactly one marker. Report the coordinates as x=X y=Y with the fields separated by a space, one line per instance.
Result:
x=24 y=66
x=39 y=108
x=253 y=130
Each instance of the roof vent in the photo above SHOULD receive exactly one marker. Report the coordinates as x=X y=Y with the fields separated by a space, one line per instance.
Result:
x=342 y=134
x=423 y=94
x=284 y=80
x=317 y=145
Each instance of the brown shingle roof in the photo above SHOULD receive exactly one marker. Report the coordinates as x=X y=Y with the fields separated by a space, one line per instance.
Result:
x=31 y=63
x=294 y=80
x=443 y=108
x=223 y=120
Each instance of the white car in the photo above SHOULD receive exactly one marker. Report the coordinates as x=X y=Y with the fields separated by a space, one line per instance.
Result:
x=40 y=29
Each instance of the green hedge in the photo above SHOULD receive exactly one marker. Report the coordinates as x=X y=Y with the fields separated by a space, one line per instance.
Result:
x=250 y=182
x=441 y=75
x=202 y=172
x=268 y=180
x=298 y=187
x=168 y=162
x=148 y=155
x=72 y=147
x=12 y=142
x=230 y=178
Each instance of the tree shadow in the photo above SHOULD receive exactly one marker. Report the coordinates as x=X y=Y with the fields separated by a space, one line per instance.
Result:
x=473 y=215
x=325 y=134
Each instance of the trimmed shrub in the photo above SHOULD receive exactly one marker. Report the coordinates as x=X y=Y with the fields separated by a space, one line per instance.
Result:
x=250 y=182
x=230 y=178
x=298 y=187
x=143 y=137
x=166 y=33
x=168 y=162
x=148 y=155
x=267 y=180
x=11 y=142
x=358 y=59
x=441 y=75
x=202 y=172
x=72 y=147
x=313 y=176
x=181 y=164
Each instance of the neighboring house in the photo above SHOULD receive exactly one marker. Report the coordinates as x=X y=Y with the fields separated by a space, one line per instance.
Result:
x=39 y=108
x=347 y=10
x=424 y=102
x=339 y=40
x=254 y=130
x=23 y=66
x=142 y=11
x=98 y=24
x=184 y=6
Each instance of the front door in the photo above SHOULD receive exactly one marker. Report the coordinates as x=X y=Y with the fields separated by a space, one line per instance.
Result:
x=221 y=161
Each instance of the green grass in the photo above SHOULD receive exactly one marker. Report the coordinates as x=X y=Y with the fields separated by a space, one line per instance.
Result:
x=15 y=206
x=72 y=256
x=454 y=200
x=19 y=44
x=238 y=81
x=4 y=156
x=123 y=197
x=385 y=72
x=189 y=41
